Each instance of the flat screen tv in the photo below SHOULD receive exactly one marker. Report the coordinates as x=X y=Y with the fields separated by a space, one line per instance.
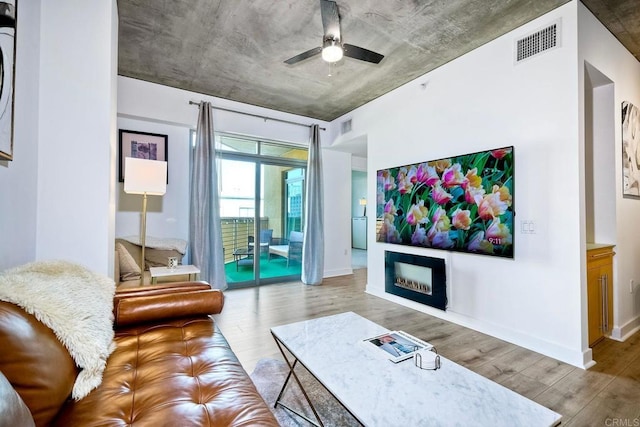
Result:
x=462 y=203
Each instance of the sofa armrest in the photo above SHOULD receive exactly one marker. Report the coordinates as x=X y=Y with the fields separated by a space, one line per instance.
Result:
x=160 y=289
x=168 y=301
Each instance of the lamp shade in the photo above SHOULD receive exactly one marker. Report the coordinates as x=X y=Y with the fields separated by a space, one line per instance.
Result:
x=363 y=202
x=145 y=176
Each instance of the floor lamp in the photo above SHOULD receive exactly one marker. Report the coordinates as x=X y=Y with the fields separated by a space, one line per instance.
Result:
x=149 y=178
x=363 y=203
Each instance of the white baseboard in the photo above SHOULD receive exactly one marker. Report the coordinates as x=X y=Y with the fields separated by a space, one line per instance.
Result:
x=580 y=359
x=587 y=359
x=621 y=333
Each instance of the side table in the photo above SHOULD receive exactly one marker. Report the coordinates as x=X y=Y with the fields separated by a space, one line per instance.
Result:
x=243 y=256
x=156 y=272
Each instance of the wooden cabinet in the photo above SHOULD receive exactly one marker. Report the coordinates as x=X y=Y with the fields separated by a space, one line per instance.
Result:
x=599 y=290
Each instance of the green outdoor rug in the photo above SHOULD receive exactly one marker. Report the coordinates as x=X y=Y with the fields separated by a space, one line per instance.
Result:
x=277 y=267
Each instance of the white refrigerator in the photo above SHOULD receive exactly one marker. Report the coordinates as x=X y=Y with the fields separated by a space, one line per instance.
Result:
x=359 y=232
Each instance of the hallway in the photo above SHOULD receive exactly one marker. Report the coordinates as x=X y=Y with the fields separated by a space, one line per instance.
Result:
x=358 y=258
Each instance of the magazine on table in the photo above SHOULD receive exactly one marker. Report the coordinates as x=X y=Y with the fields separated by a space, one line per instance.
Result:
x=396 y=345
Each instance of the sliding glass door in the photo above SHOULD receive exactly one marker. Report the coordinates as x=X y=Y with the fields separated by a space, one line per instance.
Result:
x=237 y=214
x=261 y=204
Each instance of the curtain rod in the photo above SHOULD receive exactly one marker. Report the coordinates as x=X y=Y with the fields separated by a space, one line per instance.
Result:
x=256 y=115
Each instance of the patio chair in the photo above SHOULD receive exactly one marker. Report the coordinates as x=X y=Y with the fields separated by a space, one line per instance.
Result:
x=265 y=240
x=292 y=250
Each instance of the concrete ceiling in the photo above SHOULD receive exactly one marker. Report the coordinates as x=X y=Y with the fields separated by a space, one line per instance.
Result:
x=235 y=49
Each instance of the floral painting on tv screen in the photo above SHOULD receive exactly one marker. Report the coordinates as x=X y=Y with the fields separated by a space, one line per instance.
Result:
x=462 y=203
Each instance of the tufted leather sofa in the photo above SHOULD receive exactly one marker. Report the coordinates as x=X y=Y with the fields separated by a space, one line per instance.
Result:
x=171 y=367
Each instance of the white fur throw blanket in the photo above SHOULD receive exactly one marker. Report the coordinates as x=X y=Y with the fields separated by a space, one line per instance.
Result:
x=76 y=304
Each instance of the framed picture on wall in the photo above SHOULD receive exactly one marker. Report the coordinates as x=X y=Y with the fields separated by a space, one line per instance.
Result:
x=7 y=75
x=142 y=145
x=630 y=150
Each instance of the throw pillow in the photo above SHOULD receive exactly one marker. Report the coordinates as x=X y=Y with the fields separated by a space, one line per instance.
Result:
x=133 y=249
x=129 y=269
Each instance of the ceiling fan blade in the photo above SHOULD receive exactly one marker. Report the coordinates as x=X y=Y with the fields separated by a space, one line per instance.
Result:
x=330 y=19
x=361 y=53
x=304 y=55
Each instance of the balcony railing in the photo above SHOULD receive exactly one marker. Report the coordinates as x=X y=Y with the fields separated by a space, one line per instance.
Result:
x=236 y=232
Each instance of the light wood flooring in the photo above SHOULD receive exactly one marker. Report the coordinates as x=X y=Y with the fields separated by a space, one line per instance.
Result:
x=608 y=394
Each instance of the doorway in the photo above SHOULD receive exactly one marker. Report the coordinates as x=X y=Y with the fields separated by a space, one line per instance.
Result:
x=359 y=221
x=600 y=204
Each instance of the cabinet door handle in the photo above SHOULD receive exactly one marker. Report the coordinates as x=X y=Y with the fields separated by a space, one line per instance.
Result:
x=602 y=292
x=606 y=302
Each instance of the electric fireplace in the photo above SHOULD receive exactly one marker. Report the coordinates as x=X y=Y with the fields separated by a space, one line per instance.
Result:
x=418 y=278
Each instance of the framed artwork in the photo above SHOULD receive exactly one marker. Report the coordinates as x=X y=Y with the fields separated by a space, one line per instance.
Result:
x=8 y=21
x=630 y=151
x=141 y=145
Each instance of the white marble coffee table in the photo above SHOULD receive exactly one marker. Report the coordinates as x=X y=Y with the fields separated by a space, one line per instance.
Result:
x=191 y=270
x=378 y=392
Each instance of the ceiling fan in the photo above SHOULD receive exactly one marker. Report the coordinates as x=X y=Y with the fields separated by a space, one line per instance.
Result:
x=332 y=48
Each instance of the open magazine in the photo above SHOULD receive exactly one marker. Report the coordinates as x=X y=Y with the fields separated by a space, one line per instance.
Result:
x=396 y=345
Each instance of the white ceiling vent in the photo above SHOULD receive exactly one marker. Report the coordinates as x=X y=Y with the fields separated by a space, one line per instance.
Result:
x=345 y=127
x=538 y=42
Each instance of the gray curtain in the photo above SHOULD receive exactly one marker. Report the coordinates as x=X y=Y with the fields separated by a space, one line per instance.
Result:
x=205 y=229
x=313 y=243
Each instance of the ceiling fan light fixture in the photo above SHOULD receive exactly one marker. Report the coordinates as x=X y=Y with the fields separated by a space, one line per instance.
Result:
x=331 y=51
x=332 y=48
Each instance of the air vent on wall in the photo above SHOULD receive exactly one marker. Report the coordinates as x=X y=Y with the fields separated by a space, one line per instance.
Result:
x=345 y=127
x=538 y=42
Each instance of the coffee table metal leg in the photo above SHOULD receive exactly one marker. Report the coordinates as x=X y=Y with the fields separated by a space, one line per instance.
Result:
x=286 y=381
x=304 y=393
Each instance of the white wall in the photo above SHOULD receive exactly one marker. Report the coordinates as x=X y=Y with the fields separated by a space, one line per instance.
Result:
x=599 y=48
x=75 y=152
x=482 y=101
x=359 y=163
x=167 y=216
x=155 y=108
x=18 y=179
x=56 y=198
x=337 y=213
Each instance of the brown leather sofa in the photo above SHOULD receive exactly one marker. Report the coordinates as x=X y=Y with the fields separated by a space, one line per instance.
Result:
x=171 y=367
